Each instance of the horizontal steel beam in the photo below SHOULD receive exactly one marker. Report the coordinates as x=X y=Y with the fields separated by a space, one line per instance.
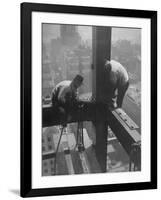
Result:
x=126 y=134
x=121 y=124
x=84 y=111
x=123 y=127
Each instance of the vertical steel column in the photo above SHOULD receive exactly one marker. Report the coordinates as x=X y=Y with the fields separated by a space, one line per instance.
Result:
x=101 y=52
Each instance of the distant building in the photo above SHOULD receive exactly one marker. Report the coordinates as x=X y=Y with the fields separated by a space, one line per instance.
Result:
x=47 y=79
x=68 y=40
x=48 y=146
x=69 y=35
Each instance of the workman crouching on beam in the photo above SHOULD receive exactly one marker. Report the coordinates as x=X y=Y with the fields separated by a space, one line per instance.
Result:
x=64 y=96
x=116 y=84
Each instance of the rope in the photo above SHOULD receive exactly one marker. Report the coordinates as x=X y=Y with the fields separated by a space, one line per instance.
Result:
x=58 y=149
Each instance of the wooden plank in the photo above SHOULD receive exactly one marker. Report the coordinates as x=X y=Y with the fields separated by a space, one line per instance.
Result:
x=82 y=156
x=84 y=162
x=76 y=162
x=85 y=166
x=70 y=167
x=94 y=165
x=68 y=157
x=61 y=167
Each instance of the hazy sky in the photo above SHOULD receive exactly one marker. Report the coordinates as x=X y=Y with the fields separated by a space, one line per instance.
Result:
x=53 y=31
x=134 y=35
x=50 y=31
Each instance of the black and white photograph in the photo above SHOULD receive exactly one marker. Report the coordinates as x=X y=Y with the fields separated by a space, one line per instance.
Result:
x=78 y=137
x=88 y=100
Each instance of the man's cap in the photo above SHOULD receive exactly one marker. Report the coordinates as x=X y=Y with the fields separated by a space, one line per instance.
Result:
x=78 y=78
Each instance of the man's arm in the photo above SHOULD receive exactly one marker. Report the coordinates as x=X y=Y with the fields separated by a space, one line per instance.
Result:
x=54 y=96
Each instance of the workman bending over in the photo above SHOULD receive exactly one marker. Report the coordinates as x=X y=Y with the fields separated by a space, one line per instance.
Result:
x=116 y=83
x=64 y=95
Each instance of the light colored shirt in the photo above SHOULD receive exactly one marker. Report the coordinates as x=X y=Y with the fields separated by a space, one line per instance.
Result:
x=118 y=73
x=115 y=83
x=62 y=91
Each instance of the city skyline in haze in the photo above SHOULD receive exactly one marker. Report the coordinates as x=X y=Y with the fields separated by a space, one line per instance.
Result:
x=52 y=31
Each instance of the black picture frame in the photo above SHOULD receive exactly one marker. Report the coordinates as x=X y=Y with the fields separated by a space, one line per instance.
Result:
x=26 y=103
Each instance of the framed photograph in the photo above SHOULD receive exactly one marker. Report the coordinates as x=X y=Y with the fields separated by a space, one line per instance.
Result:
x=88 y=99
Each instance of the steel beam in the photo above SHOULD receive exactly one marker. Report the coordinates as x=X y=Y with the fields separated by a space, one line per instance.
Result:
x=101 y=52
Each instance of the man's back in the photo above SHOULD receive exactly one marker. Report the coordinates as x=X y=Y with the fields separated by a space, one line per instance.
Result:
x=64 y=96
x=118 y=73
x=116 y=83
x=60 y=91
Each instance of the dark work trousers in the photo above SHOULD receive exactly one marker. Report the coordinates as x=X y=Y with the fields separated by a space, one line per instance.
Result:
x=121 y=93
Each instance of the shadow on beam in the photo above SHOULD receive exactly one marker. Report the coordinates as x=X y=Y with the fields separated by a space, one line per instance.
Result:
x=86 y=112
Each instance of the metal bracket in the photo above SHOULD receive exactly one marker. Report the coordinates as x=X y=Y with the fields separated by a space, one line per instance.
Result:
x=130 y=123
